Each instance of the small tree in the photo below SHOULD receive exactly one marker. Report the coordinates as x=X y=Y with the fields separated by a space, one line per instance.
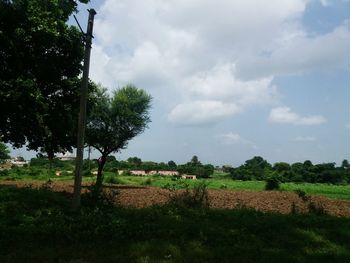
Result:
x=4 y=152
x=115 y=120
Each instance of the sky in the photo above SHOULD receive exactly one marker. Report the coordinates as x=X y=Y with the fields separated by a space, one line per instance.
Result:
x=230 y=79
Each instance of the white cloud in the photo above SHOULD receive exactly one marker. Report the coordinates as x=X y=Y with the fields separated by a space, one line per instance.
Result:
x=207 y=60
x=285 y=115
x=304 y=139
x=201 y=112
x=217 y=93
x=301 y=53
x=234 y=138
x=325 y=2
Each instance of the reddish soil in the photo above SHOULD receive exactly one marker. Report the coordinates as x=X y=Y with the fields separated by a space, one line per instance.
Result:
x=266 y=201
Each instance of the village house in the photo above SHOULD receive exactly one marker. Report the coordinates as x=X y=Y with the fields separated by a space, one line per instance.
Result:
x=189 y=176
x=18 y=161
x=152 y=172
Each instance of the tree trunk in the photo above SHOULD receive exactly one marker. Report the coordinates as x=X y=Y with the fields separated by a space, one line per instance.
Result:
x=99 y=180
x=50 y=156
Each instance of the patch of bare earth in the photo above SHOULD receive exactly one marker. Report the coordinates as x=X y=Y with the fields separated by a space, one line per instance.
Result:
x=265 y=201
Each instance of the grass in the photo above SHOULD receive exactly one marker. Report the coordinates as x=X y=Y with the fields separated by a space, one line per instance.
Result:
x=332 y=191
x=37 y=226
x=219 y=180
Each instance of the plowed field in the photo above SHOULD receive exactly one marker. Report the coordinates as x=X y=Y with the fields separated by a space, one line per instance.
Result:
x=266 y=201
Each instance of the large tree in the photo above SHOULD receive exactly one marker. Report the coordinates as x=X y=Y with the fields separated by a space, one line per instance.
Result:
x=115 y=120
x=40 y=63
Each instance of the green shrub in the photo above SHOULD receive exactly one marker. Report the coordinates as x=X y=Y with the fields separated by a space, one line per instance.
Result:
x=4 y=172
x=98 y=198
x=87 y=173
x=272 y=184
x=191 y=198
x=113 y=180
x=148 y=181
x=223 y=186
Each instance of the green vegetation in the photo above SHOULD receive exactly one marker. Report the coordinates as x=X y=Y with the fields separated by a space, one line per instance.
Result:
x=115 y=120
x=41 y=59
x=219 y=180
x=259 y=169
x=37 y=226
x=4 y=152
x=331 y=191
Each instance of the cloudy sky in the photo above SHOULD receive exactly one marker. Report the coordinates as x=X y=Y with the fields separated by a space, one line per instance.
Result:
x=231 y=79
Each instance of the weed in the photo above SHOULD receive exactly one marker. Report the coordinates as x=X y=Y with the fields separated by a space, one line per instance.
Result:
x=47 y=185
x=4 y=173
x=99 y=198
x=302 y=195
x=312 y=207
x=223 y=186
x=148 y=181
x=193 y=198
x=316 y=209
x=113 y=180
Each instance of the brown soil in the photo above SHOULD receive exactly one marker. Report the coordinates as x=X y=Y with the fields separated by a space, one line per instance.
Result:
x=266 y=201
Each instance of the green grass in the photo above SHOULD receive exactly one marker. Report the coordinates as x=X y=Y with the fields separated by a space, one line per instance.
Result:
x=37 y=226
x=331 y=191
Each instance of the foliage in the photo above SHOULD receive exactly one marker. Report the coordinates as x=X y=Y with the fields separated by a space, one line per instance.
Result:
x=54 y=163
x=259 y=169
x=272 y=184
x=302 y=194
x=39 y=74
x=195 y=167
x=4 y=152
x=115 y=120
x=197 y=197
x=34 y=223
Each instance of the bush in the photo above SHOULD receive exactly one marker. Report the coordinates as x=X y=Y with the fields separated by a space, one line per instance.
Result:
x=194 y=198
x=302 y=195
x=223 y=186
x=113 y=180
x=96 y=197
x=148 y=181
x=4 y=173
x=316 y=209
x=272 y=184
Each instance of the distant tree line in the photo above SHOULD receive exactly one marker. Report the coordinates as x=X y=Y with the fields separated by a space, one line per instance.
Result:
x=259 y=169
x=194 y=166
x=256 y=168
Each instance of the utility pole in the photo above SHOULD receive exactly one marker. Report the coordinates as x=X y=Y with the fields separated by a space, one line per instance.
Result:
x=82 y=112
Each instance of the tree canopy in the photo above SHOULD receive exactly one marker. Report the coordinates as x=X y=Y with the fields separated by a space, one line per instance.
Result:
x=115 y=120
x=40 y=63
x=259 y=169
x=4 y=152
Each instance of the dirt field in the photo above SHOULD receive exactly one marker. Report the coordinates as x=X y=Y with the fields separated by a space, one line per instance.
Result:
x=266 y=201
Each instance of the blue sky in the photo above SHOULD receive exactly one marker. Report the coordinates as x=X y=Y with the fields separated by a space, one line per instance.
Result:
x=230 y=79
